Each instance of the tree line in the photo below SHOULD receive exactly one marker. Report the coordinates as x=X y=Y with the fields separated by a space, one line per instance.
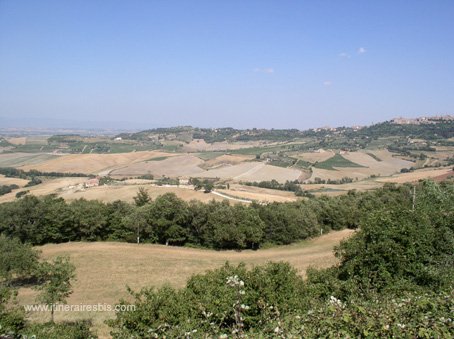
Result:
x=12 y=172
x=5 y=189
x=290 y=186
x=170 y=220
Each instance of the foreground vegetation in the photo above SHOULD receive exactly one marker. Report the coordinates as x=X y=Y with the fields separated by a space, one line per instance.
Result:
x=394 y=280
x=394 y=277
x=19 y=265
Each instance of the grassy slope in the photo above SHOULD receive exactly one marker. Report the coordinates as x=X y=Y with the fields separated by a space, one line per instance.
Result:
x=105 y=268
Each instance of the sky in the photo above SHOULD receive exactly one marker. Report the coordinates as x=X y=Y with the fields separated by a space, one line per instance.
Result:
x=237 y=63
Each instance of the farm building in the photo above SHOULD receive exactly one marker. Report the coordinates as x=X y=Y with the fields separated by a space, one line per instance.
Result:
x=91 y=183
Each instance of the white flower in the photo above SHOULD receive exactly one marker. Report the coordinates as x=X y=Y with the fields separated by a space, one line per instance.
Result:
x=336 y=302
x=276 y=330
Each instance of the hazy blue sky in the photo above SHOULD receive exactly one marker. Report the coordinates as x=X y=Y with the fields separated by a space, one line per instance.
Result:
x=219 y=63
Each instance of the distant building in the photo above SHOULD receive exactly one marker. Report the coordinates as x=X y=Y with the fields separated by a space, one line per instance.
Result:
x=422 y=120
x=118 y=139
x=184 y=181
x=91 y=183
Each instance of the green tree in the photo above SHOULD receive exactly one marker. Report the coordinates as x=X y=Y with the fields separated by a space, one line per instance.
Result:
x=55 y=282
x=119 y=230
x=197 y=183
x=142 y=198
x=208 y=186
x=16 y=260
x=12 y=317
x=169 y=219
x=89 y=219
x=402 y=249
x=221 y=224
x=250 y=227
x=136 y=225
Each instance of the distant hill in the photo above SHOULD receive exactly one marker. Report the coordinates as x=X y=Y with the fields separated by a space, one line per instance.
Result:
x=429 y=128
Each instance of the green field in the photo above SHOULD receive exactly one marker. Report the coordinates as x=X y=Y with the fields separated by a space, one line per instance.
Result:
x=302 y=164
x=336 y=161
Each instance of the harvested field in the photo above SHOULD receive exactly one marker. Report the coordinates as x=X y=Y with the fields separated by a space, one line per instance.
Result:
x=94 y=163
x=339 y=173
x=138 y=181
x=50 y=186
x=127 y=192
x=181 y=165
x=105 y=268
x=259 y=194
x=36 y=139
x=416 y=175
x=17 y=140
x=199 y=145
x=313 y=157
x=233 y=171
x=253 y=171
x=208 y=155
x=67 y=188
x=12 y=181
x=226 y=159
x=340 y=189
x=24 y=159
x=388 y=161
x=387 y=166
x=443 y=177
x=189 y=165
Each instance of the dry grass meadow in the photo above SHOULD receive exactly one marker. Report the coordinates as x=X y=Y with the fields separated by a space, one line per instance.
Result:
x=104 y=269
